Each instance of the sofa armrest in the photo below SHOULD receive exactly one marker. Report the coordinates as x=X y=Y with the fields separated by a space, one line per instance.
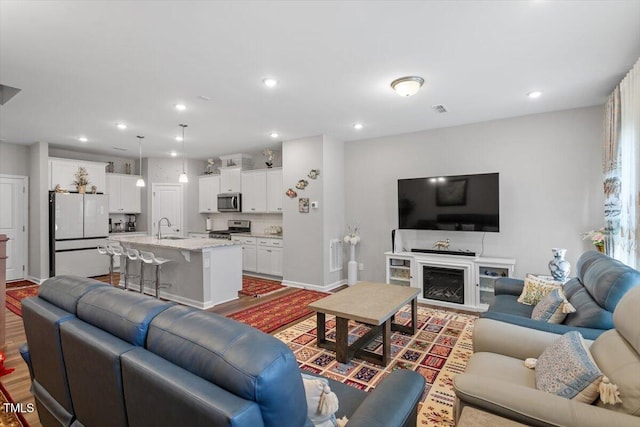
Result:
x=509 y=286
x=493 y=336
x=554 y=328
x=26 y=356
x=533 y=407
x=394 y=402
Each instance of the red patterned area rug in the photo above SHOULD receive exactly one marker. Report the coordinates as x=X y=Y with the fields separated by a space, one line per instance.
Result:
x=276 y=313
x=7 y=418
x=257 y=287
x=438 y=351
x=15 y=295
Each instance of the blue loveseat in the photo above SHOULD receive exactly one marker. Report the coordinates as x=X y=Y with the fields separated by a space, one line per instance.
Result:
x=101 y=356
x=600 y=283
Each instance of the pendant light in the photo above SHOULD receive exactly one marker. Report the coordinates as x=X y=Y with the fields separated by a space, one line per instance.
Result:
x=140 y=181
x=183 y=176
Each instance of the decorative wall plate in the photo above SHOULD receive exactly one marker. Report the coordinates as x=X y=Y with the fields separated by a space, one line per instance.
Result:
x=302 y=184
x=291 y=194
x=314 y=173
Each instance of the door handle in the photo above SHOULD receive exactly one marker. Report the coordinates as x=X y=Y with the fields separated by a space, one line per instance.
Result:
x=234 y=202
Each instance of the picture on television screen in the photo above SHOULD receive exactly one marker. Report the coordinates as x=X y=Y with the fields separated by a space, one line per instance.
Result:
x=458 y=203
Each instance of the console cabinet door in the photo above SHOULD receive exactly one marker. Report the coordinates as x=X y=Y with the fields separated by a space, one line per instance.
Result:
x=249 y=258
x=130 y=195
x=230 y=180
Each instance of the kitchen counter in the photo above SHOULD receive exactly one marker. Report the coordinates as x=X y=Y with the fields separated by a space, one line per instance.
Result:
x=202 y=273
x=113 y=233
x=188 y=244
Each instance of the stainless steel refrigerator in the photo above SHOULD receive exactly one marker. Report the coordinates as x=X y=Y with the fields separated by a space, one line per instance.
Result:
x=78 y=223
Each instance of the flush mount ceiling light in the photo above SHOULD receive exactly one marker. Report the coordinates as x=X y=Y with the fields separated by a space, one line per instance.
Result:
x=179 y=138
x=173 y=154
x=83 y=139
x=270 y=82
x=358 y=126
x=181 y=107
x=534 y=94
x=183 y=176
x=274 y=134
x=140 y=181
x=121 y=126
x=407 y=86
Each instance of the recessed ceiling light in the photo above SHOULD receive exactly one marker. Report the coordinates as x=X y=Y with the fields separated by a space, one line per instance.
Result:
x=534 y=94
x=357 y=126
x=174 y=154
x=407 y=86
x=181 y=107
x=179 y=138
x=82 y=139
x=270 y=82
x=274 y=134
x=121 y=126
x=204 y=98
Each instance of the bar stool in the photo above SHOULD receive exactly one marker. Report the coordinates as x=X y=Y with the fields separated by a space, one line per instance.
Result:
x=131 y=255
x=106 y=250
x=118 y=251
x=158 y=262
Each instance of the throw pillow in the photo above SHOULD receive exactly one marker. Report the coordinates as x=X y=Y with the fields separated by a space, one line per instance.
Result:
x=535 y=288
x=566 y=369
x=322 y=403
x=553 y=307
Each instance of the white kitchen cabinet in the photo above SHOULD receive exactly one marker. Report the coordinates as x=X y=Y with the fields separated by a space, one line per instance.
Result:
x=254 y=191
x=208 y=189
x=248 y=252
x=62 y=171
x=124 y=195
x=269 y=256
x=274 y=190
x=230 y=179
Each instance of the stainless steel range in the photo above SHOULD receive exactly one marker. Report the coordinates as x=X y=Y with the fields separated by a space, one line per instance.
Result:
x=233 y=226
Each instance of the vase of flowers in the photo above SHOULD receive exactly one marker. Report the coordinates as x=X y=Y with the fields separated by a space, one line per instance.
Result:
x=268 y=153
x=597 y=238
x=81 y=179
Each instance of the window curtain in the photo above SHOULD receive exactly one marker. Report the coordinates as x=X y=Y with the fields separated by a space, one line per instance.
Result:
x=621 y=167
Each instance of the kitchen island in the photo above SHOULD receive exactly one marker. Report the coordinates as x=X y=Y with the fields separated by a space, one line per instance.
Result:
x=202 y=272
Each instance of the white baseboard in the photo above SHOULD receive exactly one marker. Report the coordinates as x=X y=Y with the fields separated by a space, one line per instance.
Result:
x=35 y=279
x=314 y=287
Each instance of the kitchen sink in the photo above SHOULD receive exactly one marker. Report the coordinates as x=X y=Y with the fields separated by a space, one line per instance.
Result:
x=173 y=238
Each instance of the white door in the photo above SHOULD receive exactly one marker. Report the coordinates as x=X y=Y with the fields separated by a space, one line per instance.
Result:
x=13 y=223
x=167 y=203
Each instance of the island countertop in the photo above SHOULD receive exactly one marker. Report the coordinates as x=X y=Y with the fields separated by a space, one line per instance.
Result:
x=185 y=244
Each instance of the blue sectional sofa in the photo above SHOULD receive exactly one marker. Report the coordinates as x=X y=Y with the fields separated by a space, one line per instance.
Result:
x=101 y=356
x=600 y=284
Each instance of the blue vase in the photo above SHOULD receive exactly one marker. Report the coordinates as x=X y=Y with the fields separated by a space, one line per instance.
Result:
x=558 y=266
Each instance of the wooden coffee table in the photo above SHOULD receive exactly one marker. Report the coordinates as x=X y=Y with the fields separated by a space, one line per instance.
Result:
x=372 y=303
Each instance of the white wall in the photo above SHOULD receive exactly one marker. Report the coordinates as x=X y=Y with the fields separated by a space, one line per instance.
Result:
x=38 y=211
x=332 y=173
x=118 y=162
x=550 y=184
x=14 y=159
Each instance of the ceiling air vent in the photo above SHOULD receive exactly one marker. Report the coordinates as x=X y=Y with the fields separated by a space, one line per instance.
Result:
x=439 y=108
x=120 y=148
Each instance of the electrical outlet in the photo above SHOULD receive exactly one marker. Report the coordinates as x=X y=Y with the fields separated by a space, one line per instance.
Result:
x=361 y=266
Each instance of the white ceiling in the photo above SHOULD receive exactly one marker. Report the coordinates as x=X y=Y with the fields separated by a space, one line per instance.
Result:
x=85 y=66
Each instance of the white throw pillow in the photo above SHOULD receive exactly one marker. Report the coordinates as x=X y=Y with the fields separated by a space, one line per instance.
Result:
x=535 y=288
x=322 y=403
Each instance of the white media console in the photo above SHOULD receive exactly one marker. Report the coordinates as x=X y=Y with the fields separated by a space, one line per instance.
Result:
x=449 y=280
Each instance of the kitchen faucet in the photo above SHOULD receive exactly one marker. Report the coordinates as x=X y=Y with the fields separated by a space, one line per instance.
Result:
x=159 y=222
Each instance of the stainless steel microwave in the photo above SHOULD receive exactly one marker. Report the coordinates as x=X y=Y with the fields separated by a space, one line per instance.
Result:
x=230 y=202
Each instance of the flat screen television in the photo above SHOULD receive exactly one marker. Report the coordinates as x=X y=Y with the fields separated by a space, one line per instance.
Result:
x=461 y=203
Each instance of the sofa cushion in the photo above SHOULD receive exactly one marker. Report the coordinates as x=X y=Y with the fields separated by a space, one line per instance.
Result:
x=65 y=291
x=234 y=356
x=509 y=304
x=124 y=314
x=588 y=313
x=606 y=279
x=553 y=308
x=567 y=369
x=535 y=288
